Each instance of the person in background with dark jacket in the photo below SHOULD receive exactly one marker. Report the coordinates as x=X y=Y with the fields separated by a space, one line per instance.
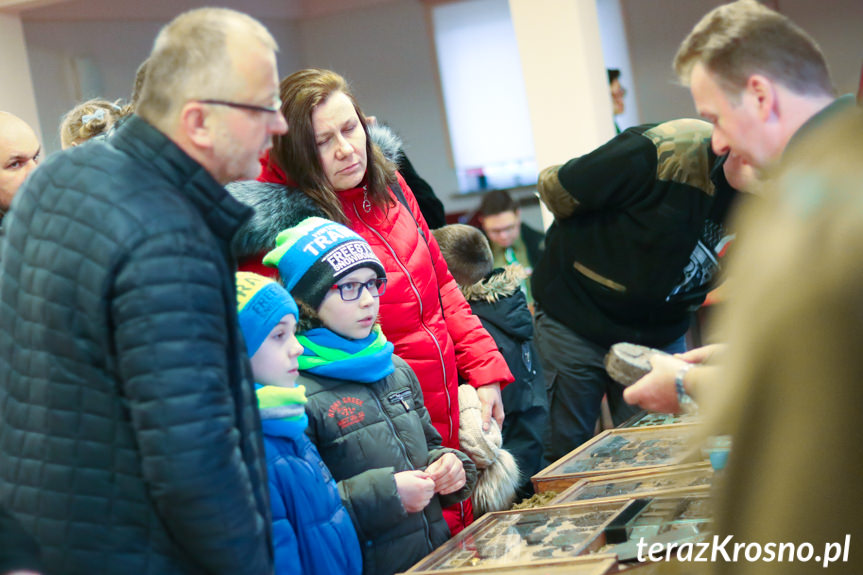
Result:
x=365 y=405
x=328 y=163
x=512 y=241
x=634 y=248
x=392 y=147
x=430 y=206
x=496 y=299
x=618 y=92
x=130 y=439
x=312 y=531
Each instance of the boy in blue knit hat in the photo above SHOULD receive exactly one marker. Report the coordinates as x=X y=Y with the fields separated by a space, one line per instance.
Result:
x=365 y=405
x=312 y=531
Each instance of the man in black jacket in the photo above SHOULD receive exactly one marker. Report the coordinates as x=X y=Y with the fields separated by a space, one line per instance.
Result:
x=129 y=432
x=634 y=248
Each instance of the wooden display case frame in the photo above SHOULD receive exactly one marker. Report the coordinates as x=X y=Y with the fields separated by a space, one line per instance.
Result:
x=571 y=493
x=583 y=565
x=646 y=419
x=486 y=530
x=552 y=478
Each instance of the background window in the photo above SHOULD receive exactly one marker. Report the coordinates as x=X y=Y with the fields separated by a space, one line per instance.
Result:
x=484 y=96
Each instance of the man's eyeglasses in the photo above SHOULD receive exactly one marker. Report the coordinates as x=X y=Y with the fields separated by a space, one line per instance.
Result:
x=240 y=106
x=504 y=230
x=351 y=291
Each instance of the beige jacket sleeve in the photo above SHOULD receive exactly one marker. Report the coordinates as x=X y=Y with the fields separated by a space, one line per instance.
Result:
x=555 y=197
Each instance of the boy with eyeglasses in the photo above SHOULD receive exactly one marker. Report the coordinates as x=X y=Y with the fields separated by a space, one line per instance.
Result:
x=365 y=405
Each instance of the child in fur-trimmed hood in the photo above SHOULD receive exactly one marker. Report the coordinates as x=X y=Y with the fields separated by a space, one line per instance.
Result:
x=496 y=298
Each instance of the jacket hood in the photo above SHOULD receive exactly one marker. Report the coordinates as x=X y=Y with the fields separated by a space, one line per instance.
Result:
x=499 y=300
x=500 y=283
x=276 y=208
x=388 y=141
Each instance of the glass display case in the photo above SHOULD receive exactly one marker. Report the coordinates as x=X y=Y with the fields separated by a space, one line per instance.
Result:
x=650 y=419
x=626 y=449
x=509 y=538
x=670 y=520
x=689 y=478
x=588 y=565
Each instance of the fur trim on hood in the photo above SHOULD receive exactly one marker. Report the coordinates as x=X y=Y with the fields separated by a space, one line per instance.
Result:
x=388 y=141
x=500 y=283
x=277 y=207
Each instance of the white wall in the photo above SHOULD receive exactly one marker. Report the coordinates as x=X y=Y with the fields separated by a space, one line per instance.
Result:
x=481 y=77
x=385 y=52
x=615 y=53
x=656 y=28
x=837 y=26
x=105 y=55
x=17 y=95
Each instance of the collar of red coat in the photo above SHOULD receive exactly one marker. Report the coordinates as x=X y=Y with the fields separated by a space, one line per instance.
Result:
x=272 y=173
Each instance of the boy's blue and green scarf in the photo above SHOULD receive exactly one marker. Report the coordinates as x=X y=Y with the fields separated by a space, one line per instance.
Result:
x=363 y=360
x=283 y=409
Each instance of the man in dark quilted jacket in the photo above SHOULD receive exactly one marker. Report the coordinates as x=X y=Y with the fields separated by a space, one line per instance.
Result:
x=129 y=432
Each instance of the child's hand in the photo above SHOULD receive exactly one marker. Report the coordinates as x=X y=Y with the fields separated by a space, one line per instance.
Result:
x=447 y=473
x=416 y=488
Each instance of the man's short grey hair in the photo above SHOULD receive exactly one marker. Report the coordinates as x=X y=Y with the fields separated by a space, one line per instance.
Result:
x=745 y=37
x=190 y=58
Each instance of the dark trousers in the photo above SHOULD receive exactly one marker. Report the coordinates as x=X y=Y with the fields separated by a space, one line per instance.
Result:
x=523 y=434
x=576 y=380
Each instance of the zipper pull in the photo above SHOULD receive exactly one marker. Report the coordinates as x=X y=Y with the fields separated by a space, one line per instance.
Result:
x=367 y=205
x=405 y=404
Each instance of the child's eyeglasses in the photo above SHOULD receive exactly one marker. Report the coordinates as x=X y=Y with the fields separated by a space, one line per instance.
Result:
x=350 y=291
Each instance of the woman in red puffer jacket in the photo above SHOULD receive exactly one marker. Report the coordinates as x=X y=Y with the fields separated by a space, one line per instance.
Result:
x=336 y=170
